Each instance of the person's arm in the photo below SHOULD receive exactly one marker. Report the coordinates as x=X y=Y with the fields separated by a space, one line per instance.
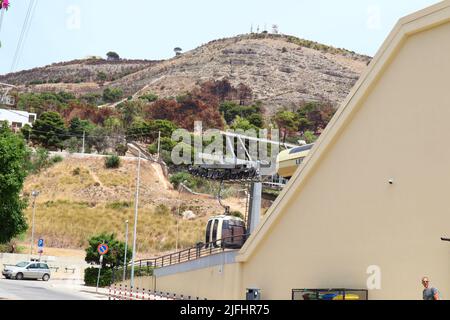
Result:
x=436 y=294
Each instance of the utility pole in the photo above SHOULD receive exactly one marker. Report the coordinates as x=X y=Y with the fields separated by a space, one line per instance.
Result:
x=178 y=215
x=84 y=138
x=34 y=194
x=126 y=249
x=159 y=145
x=136 y=206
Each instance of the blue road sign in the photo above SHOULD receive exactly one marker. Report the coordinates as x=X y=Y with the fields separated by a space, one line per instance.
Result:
x=103 y=249
x=41 y=243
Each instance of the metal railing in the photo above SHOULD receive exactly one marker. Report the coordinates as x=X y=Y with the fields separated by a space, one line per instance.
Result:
x=200 y=251
x=122 y=292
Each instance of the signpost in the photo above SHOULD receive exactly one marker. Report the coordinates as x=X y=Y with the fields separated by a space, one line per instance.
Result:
x=102 y=249
x=40 y=248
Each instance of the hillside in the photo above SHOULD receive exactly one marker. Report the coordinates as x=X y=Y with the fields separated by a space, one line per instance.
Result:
x=77 y=76
x=281 y=71
x=72 y=207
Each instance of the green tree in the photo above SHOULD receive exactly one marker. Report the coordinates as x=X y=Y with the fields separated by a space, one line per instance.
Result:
x=243 y=124
x=98 y=138
x=111 y=55
x=77 y=127
x=115 y=255
x=112 y=162
x=130 y=110
x=13 y=157
x=112 y=94
x=149 y=97
x=101 y=76
x=166 y=128
x=167 y=144
x=309 y=137
x=49 y=131
x=287 y=122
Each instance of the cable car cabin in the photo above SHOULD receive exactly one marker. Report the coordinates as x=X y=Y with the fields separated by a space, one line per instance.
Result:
x=288 y=161
x=225 y=231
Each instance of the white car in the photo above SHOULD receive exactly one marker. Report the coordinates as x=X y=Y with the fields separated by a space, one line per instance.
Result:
x=27 y=270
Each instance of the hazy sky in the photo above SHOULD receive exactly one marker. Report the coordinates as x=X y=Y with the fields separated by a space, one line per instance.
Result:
x=62 y=30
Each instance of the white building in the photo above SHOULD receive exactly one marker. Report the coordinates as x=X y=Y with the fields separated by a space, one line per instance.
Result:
x=17 y=119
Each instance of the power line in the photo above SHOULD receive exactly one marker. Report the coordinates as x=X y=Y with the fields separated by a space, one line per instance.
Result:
x=27 y=31
x=23 y=33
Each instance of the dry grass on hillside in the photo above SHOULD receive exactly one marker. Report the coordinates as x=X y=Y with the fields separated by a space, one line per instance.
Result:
x=80 y=198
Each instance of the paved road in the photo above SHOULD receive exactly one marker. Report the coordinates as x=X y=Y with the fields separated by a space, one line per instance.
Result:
x=40 y=290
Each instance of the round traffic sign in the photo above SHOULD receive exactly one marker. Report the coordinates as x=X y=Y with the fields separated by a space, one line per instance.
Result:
x=103 y=249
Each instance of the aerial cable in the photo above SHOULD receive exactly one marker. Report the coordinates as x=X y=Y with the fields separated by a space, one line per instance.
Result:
x=19 y=43
x=27 y=31
x=24 y=30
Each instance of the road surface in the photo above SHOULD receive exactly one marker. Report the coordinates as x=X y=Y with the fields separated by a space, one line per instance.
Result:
x=40 y=290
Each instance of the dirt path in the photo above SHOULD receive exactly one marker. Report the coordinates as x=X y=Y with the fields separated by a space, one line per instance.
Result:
x=160 y=175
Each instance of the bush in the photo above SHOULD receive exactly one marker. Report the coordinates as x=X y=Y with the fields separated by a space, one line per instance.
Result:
x=91 y=275
x=167 y=144
x=112 y=94
x=237 y=214
x=180 y=177
x=38 y=160
x=118 y=205
x=56 y=159
x=150 y=97
x=121 y=149
x=76 y=171
x=112 y=162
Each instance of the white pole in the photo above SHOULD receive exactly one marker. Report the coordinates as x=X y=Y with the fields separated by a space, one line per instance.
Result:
x=135 y=220
x=84 y=138
x=34 y=194
x=99 y=270
x=159 y=145
x=32 y=228
x=126 y=249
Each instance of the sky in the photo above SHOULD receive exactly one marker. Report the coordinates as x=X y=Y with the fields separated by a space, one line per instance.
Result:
x=63 y=30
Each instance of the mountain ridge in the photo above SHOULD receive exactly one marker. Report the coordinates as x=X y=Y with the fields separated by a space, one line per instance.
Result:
x=281 y=70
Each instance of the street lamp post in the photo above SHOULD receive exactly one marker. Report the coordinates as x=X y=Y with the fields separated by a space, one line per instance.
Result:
x=34 y=194
x=178 y=215
x=136 y=205
x=126 y=249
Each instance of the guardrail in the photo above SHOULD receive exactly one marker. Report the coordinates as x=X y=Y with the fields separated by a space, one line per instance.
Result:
x=200 y=251
x=119 y=292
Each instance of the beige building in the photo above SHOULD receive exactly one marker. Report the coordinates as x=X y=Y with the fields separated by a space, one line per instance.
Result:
x=372 y=200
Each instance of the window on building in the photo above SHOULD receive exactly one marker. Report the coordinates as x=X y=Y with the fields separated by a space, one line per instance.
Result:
x=31 y=118
x=16 y=125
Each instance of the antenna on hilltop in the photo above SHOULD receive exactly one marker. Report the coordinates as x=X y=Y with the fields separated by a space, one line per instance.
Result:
x=251 y=28
x=275 y=29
